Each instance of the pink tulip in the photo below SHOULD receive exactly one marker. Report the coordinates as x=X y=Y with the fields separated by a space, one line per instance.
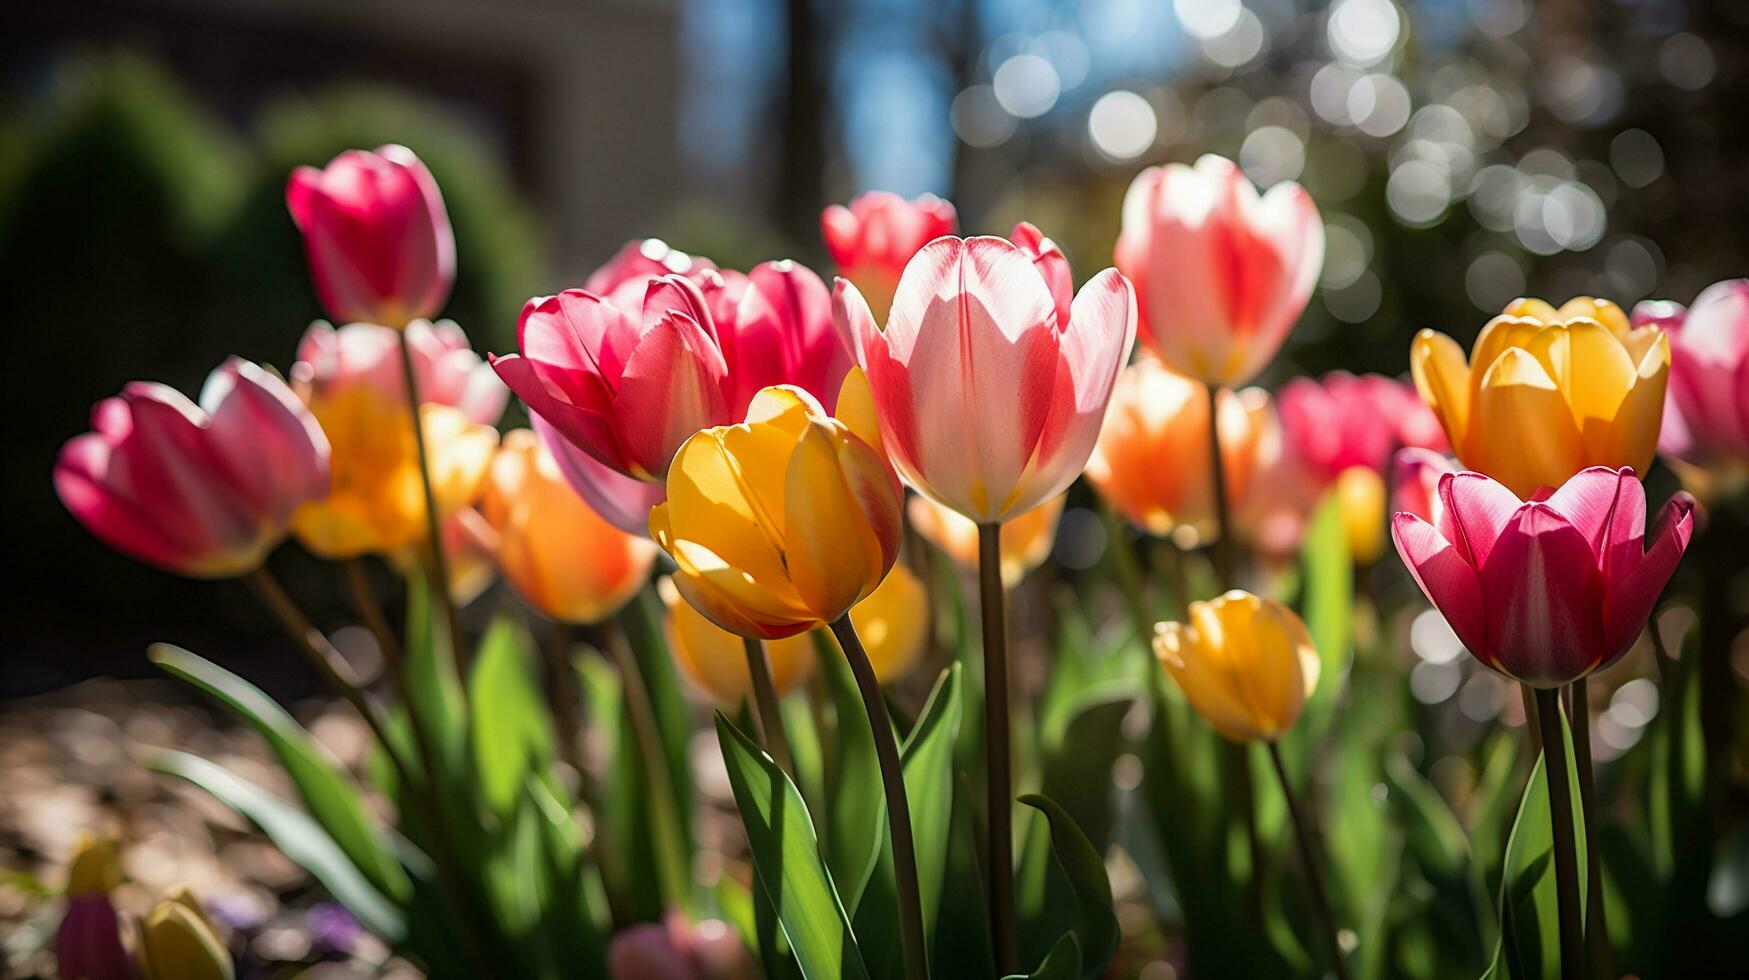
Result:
x=626 y=389
x=376 y=234
x=445 y=367
x=1545 y=591
x=625 y=276
x=1221 y=274
x=88 y=944
x=989 y=400
x=621 y=500
x=1415 y=475
x=873 y=239
x=1706 y=414
x=201 y=490
x=777 y=328
x=675 y=949
x=1344 y=420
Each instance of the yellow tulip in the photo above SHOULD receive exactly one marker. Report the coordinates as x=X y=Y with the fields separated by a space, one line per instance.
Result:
x=558 y=554
x=1026 y=540
x=892 y=623
x=96 y=867
x=1246 y=664
x=1360 y=493
x=177 y=942
x=781 y=523
x=376 y=503
x=1547 y=392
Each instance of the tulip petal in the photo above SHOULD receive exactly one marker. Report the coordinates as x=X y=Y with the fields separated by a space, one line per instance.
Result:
x=672 y=388
x=1476 y=510
x=589 y=429
x=832 y=555
x=1521 y=431
x=1443 y=378
x=1633 y=591
x=1600 y=503
x=1446 y=578
x=1543 y=592
x=1205 y=683
x=1593 y=372
x=1052 y=266
x=621 y=500
x=856 y=410
x=1633 y=431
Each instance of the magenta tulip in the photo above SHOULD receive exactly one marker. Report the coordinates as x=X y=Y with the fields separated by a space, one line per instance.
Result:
x=376 y=234
x=776 y=328
x=200 y=490
x=625 y=388
x=445 y=367
x=1221 y=274
x=873 y=239
x=1706 y=411
x=88 y=944
x=989 y=400
x=1343 y=420
x=1545 y=591
x=1415 y=475
x=625 y=276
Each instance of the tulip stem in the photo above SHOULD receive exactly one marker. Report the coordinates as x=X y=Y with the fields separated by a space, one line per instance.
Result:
x=898 y=804
x=769 y=709
x=1548 y=716
x=433 y=525
x=1309 y=865
x=1129 y=576
x=1221 y=554
x=364 y=601
x=562 y=692
x=998 y=777
x=1599 y=952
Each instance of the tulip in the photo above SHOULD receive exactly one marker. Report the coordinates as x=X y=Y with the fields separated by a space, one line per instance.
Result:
x=625 y=277
x=975 y=325
x=1246 y=664
x=201 y=490
x=445 y=368
x=376 y=234
x=675 y=949
x=1221 y=274
x=1343 y=420
x=1415 y=474
x=1360 y=497
x=1706 y=413
x=177 y=942
x=779 y=330
x=1545 y=591
x=557 y=553
x=627 y=390
x=781 y=523
x=1025 y=543
x=88 y=943
x=1151 y=461
x=1547 y=393
x=621 y=500
x=375 y=502
x=873 y=239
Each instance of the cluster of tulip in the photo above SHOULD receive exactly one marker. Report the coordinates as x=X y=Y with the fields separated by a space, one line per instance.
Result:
x=761 y=431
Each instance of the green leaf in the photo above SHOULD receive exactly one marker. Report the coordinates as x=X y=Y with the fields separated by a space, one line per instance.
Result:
x=855 y=828
x=1529 y=914
x=1434 y=833
x=1327 y=605
x=960 y=946
x=511 y=731
x=574 y=915
x=297 y=836
x=1063 y=962
x=1096 y=925
x=786 y=858
x=328 y=792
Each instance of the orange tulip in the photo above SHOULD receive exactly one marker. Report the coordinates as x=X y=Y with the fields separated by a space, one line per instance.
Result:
x=1026 y=539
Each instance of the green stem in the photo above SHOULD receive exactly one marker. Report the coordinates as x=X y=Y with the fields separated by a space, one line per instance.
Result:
x=433 y=525
x=1309 y=864
x=1598 y=949
x=1129 y=575
x=898 y=804
x=1548 y=716
x=770 y=709
x=1222 y=551
x=664 y=808
x=998 y=772
x=562 y=695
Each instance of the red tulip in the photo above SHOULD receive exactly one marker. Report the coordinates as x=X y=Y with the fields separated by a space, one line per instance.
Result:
x=1706 y=414
x=626 y=389
x=1344 y=420
x=776 y=328
x=1545 y=591
x=623 y=279
x=1221 y=274
x=201 y=490
x=989 y=400
x=445 y=367
x=874 y=238
x=376 y=234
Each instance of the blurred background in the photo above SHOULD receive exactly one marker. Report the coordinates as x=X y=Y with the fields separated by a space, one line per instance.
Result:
x=1463 y=152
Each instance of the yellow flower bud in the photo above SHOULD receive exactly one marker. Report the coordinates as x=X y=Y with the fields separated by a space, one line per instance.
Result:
x=1360 y=492
x=781 y=523
x=1547 y=392
x=1246 y=664
x=96 y=867
x=178 y=942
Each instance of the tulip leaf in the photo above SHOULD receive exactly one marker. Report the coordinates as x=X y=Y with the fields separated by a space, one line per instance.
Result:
x=961 y=946
x=1529 y=915
x=673 y=715
x=787 y=861
x=1063 y=962
x=510 y=729
x=855 y=803
x=328 y=791
x=298 y=837
x=1327 y=606
x=574 y=915
x=1084 y=870
x=1434 y=833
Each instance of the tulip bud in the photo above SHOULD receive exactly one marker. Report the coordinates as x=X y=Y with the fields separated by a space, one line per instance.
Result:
x=376 y=234
x=779 y=524
x=1545 y=591
x=1246 y=664
x=178 y=942
x=1025 y=540
x=88 y=943
x=1706 y=414
x=1221 y=274
x=201 y=490
x=1547 y=393
x=1360 y=495
x=556 y=552
x=1415 y=477
x=875 y=237
x=445 y=367
x=780 y=331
